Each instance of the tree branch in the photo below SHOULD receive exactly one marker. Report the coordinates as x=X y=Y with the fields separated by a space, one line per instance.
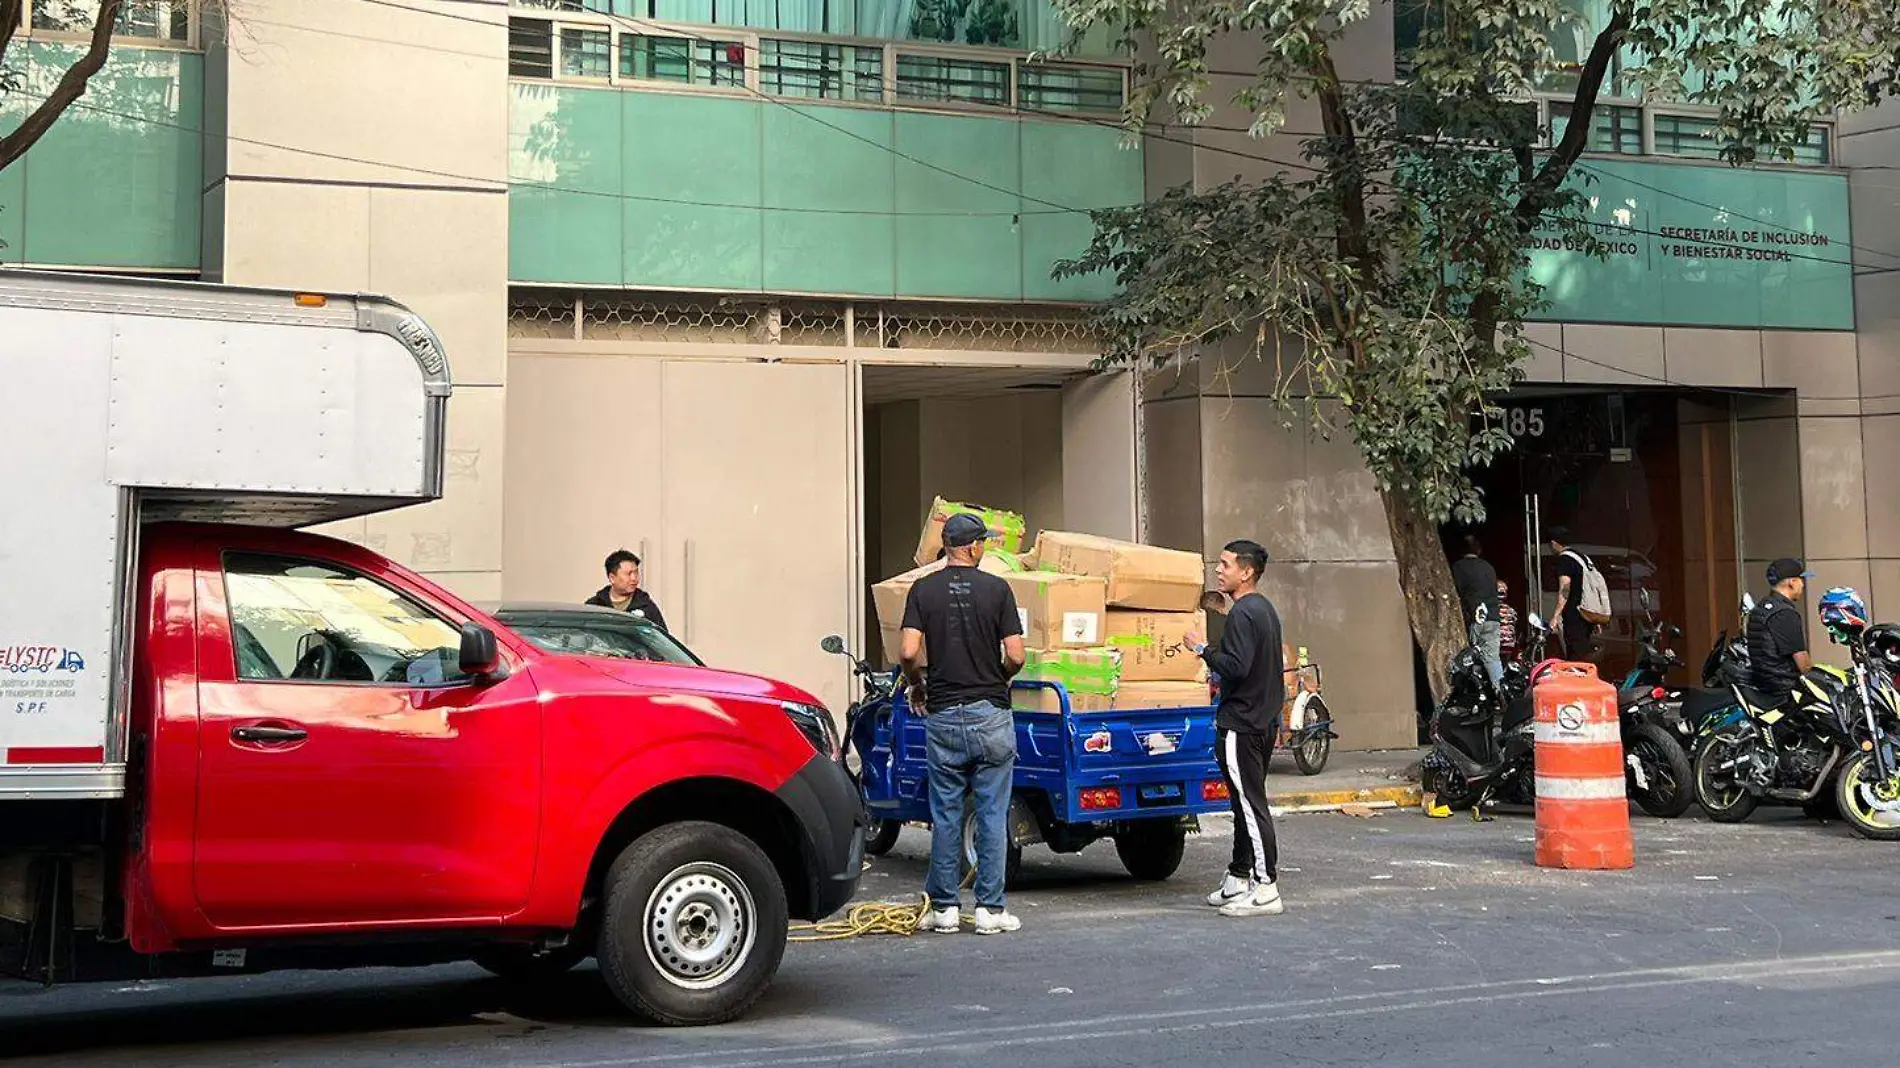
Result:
x=1556 y=168
x=10 y=13
x=1349 y=182
x=72 y=85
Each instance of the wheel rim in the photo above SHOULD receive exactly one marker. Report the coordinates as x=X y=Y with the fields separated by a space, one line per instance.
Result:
x=1662 y=782
x=1722 y=748
x=699 y=925
x=1313 y=748
x=1874 y=804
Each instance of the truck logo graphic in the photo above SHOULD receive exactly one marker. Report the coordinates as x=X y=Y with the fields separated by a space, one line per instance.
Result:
x=1099 y=742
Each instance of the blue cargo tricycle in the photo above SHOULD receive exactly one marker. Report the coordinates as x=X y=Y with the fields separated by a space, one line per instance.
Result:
x=1140 y=776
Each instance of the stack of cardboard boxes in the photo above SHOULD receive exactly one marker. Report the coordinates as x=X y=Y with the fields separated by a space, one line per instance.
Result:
x=1107 y=619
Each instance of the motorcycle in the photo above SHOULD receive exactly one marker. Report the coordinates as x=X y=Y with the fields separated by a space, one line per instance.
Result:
x=879 y=689
x=1656 y=766
x=1482 y=735
x=1867 y=790
x=1786 y=753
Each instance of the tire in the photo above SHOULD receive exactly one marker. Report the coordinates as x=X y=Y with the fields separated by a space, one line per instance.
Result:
x=1728 y=802
x=1857 y=789
x=1672 y=779
x=1311 y=752
x=706 y=901
x=880 y=836
x=521 y=966
x=1152 y=849
x=1450 y=787
x=1012 y=857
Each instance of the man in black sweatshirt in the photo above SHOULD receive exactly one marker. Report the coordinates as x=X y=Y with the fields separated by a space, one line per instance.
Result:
x=1251 y=668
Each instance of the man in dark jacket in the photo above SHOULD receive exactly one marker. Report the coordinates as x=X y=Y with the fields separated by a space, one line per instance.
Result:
x=1777 y=639
x=1251 y=667
x=623 y=593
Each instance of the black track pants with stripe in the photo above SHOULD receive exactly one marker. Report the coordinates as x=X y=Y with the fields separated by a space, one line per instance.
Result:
x=1243 y=762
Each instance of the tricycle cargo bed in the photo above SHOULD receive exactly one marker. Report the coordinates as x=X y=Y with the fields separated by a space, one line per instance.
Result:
x=128 y=401
x=1091 y=767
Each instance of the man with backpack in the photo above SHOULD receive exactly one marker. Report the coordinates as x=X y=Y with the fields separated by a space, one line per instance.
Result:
x=1583 y=599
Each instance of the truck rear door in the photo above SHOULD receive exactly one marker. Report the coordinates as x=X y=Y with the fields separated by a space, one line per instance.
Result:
x=347 y=773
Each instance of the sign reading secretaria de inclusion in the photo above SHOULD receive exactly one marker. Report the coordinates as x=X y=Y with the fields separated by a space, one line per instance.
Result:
x=1705 y=245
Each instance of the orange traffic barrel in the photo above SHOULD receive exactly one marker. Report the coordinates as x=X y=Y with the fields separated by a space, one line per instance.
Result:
x=1583 y=816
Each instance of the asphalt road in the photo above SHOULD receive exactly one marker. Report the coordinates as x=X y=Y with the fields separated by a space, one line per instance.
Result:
x=1406 y=941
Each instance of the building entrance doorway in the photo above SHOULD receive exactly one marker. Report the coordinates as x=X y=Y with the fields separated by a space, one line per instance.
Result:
x=1611 y=469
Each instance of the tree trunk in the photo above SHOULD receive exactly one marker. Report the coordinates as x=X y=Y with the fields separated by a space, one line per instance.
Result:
x=1431 y=602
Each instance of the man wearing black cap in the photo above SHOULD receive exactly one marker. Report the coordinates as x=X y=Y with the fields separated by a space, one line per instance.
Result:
x=1777 y=639
x=967 y=621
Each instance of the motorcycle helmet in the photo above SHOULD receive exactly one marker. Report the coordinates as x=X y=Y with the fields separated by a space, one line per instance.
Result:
x=1883 y=644
x=1469 y=680
x=1844 y=614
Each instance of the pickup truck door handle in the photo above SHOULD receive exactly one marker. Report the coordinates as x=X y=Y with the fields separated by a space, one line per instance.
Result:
x=269 y=735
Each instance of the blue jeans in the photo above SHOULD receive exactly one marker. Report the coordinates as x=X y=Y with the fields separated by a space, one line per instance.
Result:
x=972 y=754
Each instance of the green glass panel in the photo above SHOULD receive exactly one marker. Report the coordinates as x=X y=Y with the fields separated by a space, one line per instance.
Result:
x=696 y=160
x=1078 y=166
x=839 y=160
x=563 y=200
x=12 y=188
x=1709 y=245
x=118 y=181
x=972 y=247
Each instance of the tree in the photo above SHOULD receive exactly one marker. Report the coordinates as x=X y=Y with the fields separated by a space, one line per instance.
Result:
x=101 y=21
x=1386 y=270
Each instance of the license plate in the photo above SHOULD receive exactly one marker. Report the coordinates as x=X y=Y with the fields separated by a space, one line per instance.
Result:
x=1163 y=792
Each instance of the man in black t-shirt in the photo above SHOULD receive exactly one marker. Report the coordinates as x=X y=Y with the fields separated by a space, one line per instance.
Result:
x=1251 y=667
x=1777 y=638
x=965 y=619
x=1477 y=584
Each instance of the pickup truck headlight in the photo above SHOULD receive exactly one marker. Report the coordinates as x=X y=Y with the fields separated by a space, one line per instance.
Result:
x=815 y=724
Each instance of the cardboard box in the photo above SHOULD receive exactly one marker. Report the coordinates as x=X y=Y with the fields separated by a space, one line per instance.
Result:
x=1010 y=525
x=1139 y=576
x=1153 y=644
x=1059 y=611
x=889 y=596
x=1040 y=700
x=1162 y=695
x=1095 y=672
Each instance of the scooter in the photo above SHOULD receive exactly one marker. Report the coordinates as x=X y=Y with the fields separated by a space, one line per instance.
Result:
x=1482 y=739
x=1656 y=765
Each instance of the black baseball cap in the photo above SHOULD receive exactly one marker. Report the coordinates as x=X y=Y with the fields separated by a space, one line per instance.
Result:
x=965 y=529
x=1788 y=567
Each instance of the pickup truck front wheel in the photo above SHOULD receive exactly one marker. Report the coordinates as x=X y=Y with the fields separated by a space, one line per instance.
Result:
x=693 y=926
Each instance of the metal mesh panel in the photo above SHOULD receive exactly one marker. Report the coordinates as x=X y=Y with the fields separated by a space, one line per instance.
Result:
x=712 y=319
x=1012 y=328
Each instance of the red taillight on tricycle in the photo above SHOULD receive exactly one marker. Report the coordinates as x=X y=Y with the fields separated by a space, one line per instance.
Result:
x=1214 y=790
x=1101 y=797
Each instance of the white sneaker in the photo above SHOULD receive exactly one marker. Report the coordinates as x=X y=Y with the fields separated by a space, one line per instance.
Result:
x=941 y=921
x=998 y=922
x=1264 y=900
x=1231 y=888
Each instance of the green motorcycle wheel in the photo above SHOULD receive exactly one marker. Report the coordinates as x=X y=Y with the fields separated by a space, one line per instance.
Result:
x=1868 y=804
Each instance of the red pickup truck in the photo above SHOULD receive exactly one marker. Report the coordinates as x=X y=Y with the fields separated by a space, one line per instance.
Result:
x=232 y=746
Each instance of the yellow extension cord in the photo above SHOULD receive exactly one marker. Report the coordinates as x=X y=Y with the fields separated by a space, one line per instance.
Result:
x=875 y=917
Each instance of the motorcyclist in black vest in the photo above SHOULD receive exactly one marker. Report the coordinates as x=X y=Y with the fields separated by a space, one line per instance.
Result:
x=1777 y=638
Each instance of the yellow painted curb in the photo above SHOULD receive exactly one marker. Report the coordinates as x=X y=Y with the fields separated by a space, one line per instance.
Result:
x=1398 y=795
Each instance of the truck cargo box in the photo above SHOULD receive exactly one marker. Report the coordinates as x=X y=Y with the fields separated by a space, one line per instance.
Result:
x=131 y=401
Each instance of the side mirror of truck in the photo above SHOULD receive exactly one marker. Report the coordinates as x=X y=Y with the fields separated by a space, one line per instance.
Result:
x=481 y=654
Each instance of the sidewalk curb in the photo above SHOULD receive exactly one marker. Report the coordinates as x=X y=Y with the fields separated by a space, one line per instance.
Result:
x=1293 y=802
